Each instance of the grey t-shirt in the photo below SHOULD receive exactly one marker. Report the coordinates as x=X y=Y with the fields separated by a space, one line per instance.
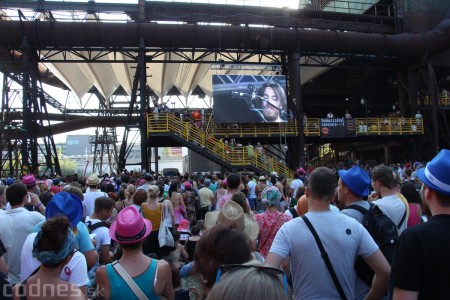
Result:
x=354 y=213
x=343 y=238
x=361 y=286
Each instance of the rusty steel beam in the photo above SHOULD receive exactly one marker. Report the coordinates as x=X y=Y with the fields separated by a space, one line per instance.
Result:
x=60 y=35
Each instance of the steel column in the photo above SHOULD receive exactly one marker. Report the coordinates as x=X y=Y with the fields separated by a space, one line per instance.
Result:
x=294 y=79
x=433 y=96
x=143 y=104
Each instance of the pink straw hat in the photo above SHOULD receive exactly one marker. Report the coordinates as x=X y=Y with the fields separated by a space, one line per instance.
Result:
x=130 y=227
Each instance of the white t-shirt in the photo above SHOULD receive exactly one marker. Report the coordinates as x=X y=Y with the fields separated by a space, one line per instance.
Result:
x=394 y=208
x=89 y=201
x=101 y=237
x=15 y=225
x=251 y=187
x=343 y=238
x=296 y=183
x=74 y=272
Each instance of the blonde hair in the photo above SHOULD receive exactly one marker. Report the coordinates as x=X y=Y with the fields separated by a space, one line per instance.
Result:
x=130 y=191
x=153 y=191
x=239 y=284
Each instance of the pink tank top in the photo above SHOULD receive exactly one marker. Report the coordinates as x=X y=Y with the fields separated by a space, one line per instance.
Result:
x=414 y=217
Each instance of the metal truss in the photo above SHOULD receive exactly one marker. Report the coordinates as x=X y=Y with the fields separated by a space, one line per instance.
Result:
x=18 y=78
x=105 y=141
x=233 y=60
x=24 y=112
x=378 y=18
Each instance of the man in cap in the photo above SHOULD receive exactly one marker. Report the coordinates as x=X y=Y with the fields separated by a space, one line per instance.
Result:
x=16 y=224
x=343 y=238
x=206 y=197
x=31 y=184
x=262 y=184
x=420 y=269
x=353 y=185
x=56 y=186
x=89 y=197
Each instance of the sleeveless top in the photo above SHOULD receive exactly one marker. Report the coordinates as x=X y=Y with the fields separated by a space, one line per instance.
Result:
x=414 y=217
x=153 y=215
x=220 y=196
x=121 y=290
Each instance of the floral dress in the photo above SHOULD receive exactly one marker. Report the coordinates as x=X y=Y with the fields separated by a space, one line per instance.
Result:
x=269 y=224
x=189 y=201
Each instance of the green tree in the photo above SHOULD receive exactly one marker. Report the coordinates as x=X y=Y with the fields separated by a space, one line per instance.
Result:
x=68 y=166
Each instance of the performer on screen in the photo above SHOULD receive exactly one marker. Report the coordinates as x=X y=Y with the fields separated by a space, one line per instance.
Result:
x=274 y=102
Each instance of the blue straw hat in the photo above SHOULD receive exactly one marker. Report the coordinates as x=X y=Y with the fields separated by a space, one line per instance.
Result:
x=357 y=180
x=66 y=204
x=436 y=174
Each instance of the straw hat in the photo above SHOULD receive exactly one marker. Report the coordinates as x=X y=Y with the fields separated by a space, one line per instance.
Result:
x=233 y=215
x=93 y=179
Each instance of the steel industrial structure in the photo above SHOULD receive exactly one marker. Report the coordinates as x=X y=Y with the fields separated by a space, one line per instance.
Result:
x=313 y=37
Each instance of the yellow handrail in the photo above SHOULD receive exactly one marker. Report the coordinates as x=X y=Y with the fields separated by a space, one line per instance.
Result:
x=237 y=156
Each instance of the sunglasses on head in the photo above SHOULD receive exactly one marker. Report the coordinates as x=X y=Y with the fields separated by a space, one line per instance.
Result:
x=274 y=271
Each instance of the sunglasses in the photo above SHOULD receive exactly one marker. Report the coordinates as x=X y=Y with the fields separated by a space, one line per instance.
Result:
x=274 y=271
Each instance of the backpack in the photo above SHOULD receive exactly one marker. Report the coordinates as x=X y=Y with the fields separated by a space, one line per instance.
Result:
x=383 y=231
x=91 y=227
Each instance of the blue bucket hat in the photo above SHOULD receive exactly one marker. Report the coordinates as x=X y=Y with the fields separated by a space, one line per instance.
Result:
x=9 y=181
x=66 y=204
x=357 y=180
x=436 y=173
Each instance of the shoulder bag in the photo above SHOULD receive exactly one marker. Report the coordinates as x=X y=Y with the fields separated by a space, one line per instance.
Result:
x=165 y=237
x=129 y=281
x=325 y=257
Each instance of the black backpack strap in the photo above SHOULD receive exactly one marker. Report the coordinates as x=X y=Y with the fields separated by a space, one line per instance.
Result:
x=358 y=208
x=403 y=219
x=325 y=257
x=92 y=227
x=294 y=213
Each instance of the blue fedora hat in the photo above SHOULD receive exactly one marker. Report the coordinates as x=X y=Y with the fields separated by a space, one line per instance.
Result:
x=436 y=174
x=66 y=204
x=357 y=180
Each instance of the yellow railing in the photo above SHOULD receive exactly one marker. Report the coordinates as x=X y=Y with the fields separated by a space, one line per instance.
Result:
x=388 y=126
x=235 y=156
x=443 y=100
x=242 y=156
x=375 y=126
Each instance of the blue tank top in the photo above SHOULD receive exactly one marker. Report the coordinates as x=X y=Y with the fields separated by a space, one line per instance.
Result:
x=121 y=290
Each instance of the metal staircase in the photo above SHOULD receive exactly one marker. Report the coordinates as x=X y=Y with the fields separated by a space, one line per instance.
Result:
x=238 y=158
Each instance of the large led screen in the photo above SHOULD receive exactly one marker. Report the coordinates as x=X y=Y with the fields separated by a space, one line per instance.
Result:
x=249 y=99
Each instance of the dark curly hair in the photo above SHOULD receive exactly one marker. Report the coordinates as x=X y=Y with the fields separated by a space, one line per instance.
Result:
x=220 y=246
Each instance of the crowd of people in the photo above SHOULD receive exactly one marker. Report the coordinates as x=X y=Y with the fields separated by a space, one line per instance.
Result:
x=229 y=236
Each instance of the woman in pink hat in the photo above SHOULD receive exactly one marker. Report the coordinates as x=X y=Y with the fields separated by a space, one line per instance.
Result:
x=129 y=277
